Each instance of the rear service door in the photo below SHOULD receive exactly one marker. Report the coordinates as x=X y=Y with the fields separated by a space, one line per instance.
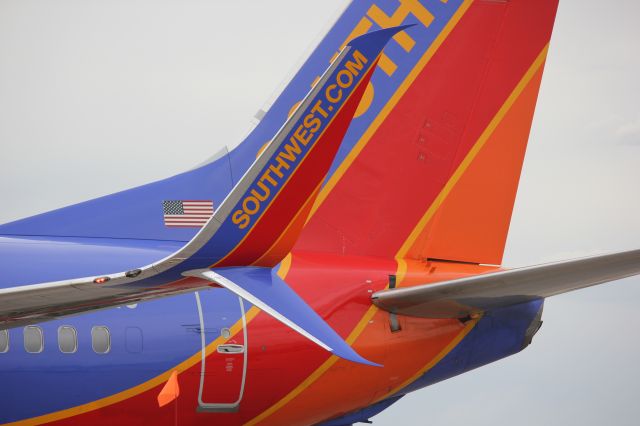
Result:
x=223 y=333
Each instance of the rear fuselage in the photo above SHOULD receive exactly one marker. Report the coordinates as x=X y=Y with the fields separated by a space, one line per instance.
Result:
x=279 y=378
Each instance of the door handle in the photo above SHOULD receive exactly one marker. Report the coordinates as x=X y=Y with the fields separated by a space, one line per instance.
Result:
x=230 y=349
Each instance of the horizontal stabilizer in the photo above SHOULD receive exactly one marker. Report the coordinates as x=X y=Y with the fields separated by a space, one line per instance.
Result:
x=462 y=297
x=266 y=290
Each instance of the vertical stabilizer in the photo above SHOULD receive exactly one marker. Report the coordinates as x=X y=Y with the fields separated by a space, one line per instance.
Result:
x=435 y=172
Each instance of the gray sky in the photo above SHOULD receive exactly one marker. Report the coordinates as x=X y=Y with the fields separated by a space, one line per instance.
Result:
x=97 y=97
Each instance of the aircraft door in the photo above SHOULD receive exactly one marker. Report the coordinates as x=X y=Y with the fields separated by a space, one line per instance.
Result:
x=223 y=334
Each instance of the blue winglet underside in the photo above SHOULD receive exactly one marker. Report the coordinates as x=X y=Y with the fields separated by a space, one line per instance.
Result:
x=268 y=287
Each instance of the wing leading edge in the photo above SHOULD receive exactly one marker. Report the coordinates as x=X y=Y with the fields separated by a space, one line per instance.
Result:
x=465 y=296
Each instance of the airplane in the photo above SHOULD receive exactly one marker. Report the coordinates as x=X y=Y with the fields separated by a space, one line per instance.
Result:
x=351 y=257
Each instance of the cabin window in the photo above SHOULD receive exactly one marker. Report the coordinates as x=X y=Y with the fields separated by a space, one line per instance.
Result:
x=4 y=341
x=33 y=339
x=67 y=339
x=100 y=339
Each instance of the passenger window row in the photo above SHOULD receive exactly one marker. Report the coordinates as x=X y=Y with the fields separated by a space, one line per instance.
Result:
x=67 y=339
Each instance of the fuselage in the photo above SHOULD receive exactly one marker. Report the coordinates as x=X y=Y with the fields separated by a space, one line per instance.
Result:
x=278 y=376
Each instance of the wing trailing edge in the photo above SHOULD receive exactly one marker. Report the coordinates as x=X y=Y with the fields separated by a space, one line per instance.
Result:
x=462 y=297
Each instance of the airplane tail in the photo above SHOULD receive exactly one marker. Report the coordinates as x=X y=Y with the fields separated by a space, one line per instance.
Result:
x=433 y=171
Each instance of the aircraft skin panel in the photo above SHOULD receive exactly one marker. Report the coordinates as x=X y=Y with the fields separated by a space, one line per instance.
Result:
x=399 y=173
x=48 y=382
x=135 y=213
x=341 y=386
x=290 y=235
x=497 y=335
x=66 y=258
x=472 y=223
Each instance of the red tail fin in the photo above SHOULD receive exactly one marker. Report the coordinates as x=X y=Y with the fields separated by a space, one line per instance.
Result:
x=436 y=173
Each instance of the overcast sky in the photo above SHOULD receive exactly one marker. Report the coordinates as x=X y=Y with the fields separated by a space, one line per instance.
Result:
x=97 y=97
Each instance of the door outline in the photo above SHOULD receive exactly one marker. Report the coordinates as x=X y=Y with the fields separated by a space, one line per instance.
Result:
x=212 y=407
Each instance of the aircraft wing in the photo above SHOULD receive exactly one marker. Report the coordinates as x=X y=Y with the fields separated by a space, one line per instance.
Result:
x=462 y=297
x=257 y=223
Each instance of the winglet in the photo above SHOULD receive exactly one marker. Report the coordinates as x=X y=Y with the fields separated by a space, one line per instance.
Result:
x=266 y=290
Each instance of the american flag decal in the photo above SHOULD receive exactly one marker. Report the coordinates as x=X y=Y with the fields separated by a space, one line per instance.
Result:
x=187 y=213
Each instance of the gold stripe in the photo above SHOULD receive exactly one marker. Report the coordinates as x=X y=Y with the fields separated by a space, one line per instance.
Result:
x=402 y=271
x=471 y=155
x=375 y=124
